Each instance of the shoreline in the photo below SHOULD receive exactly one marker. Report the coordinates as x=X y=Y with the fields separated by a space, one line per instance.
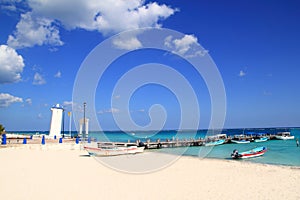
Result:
x=71 y=145
x=35 y=173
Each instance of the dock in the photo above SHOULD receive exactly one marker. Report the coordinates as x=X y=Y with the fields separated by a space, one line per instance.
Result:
x=173 y=143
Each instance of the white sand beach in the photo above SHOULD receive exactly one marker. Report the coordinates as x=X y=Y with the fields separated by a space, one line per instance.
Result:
x=55 y=173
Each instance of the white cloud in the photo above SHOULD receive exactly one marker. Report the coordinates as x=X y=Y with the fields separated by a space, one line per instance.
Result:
x=12 y=5
x=127 y=42
x=58 y=75
x=105 y=16
x=184 y=44
x=242 y=73
x=7 y=99
x=68 y=104
x=8 y=7
x=138 y=111
x=111 y=110
x=11 y=65
x=117 y=96
x=38 y=79
x=32 y=30
x=187 y=46
x=28 y=101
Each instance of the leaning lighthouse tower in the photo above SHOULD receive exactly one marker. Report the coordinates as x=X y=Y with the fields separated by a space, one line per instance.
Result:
x=56 y=121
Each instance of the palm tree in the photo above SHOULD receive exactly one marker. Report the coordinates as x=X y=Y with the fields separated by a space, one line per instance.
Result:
x=2 y=129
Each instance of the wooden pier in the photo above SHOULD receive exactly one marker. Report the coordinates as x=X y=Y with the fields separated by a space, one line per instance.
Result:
x=172 y=143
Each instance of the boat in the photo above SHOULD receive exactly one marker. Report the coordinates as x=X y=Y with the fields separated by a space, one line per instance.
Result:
x=262 y=139
x=284 y=136
x=240 y=141
x=258 y=151
x=214 y=143
x=113 y=150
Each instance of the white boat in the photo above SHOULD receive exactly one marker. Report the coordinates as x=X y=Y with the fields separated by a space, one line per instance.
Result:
x=284 y=136
x=240 y=141
x=262 y=139
x=111 y=150
x=258 y=151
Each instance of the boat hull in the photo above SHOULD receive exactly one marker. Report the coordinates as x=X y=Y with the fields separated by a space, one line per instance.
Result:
x=113 y=151
x=219 y=142
x=261 y=140
x=259 y=151
x=285 y=137
x=240 y=142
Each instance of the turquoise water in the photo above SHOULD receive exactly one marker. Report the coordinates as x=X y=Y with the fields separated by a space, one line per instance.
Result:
x=279 y=152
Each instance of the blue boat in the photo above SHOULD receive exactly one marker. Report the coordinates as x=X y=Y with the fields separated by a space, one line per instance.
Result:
x=214 y=143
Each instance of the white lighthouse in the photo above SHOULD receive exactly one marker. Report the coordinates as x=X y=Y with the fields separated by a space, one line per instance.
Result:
x=56 y=121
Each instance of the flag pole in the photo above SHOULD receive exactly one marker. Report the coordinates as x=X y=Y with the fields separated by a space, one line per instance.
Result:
x=70 y=123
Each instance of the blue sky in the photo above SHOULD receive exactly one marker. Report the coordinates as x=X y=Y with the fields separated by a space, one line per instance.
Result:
x=254 y=44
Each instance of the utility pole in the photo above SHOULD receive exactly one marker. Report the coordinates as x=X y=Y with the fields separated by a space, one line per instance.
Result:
x=63 y=125
x=84 y=125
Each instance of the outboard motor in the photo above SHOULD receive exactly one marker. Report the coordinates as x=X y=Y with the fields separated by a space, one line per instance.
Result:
x=235 y=154
x=141 y=144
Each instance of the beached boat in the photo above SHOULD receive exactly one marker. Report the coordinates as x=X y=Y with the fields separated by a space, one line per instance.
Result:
x=284 y=136
x=214 y=143
x=258 y=151
x=112 y=150
x=240 y=141
x=262 y=139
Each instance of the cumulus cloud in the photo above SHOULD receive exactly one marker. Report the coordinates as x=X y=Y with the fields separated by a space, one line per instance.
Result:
x=38 y=79
x=127 y=42
x=105 y=16
x=11 y=65
x=187 y=46
x=31 y=31
x=58 y=75
x=7 y=99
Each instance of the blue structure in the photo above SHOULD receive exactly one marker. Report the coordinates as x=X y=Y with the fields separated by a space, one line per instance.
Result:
x=3 y=139
x=60 y=140
x=43 y=140
x=24 y=141
x=77 y=140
